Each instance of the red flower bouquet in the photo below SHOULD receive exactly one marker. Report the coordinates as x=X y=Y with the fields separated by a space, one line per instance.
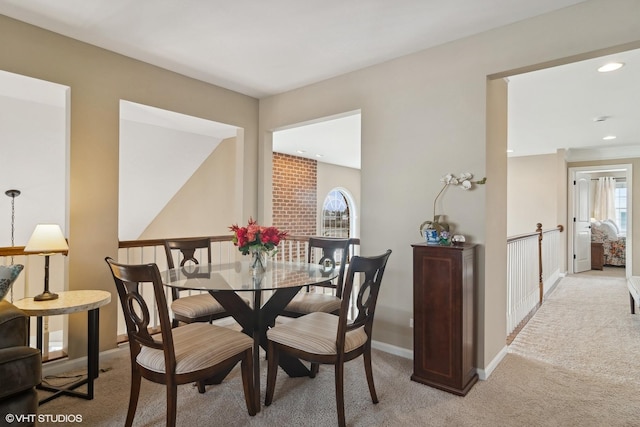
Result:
x=255 y=237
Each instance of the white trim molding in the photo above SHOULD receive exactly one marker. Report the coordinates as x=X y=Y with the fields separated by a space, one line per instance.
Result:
x=392 y=349
x=483 y=374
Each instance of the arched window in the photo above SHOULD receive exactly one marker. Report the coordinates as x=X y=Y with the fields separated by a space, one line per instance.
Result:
x=335 y=215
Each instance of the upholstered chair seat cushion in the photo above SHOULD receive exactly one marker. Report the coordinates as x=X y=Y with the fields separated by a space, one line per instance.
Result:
x=310 y=302
x=13 y=325
x=197 y=346
x=20 y=370
x=315 y=333
x=194 y=306
x=20 y=366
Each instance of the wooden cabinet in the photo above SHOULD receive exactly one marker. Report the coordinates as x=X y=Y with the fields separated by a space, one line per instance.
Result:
x=597 y=256
x=444 y=338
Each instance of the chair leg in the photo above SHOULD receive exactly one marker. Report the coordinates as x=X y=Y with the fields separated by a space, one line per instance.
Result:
x=246 y=366
x=340 y=393
x=369 y=372
x=174 y=323
x=315 y=367
x=172 y=403
x=201 y=386
x=136 y=379
x=272 y=371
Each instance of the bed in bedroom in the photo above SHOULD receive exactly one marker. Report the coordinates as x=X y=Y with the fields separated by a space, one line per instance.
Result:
x=613 y=243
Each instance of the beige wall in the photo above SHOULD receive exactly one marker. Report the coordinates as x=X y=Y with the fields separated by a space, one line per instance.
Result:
x=562 y=206
x=205 y=205
x=537 y=193
x=532 y=193
x=424 y=115
x=491 y=302
x=346 y=179
x=99 y=80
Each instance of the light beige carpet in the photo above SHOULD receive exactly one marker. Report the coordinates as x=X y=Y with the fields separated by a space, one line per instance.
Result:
x=574 y=364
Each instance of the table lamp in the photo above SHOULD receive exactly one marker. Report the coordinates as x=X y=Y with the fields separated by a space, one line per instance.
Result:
x=47 y=239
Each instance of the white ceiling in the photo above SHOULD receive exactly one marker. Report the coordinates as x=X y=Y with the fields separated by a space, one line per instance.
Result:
x=335 y=140
x=264 y=48
x=556 y=108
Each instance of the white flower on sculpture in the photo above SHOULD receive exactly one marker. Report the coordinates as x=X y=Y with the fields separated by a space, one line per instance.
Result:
x=463 y=181
x=446 y=180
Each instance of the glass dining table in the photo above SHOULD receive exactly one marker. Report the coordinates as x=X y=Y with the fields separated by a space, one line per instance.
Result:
x=228 y=282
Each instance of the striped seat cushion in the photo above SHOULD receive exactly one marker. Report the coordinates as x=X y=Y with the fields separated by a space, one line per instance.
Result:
x=309 y=302
x=197 y=305
x=315 y=333
x=197 y=346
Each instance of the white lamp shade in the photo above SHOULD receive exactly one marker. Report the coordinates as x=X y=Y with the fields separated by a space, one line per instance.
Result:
x=46 y=238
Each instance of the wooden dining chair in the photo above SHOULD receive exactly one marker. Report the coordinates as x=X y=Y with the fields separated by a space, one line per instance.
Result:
x=331 y=253
x=323 y=338
x=186 y=354
x=193 y=308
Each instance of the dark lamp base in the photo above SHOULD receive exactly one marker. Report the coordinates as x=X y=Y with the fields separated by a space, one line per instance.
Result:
x=45 y=296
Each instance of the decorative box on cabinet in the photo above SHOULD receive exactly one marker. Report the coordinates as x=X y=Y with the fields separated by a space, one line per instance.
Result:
x=444 y=341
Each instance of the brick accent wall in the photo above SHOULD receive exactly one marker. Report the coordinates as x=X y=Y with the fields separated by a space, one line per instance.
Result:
x=295 y=194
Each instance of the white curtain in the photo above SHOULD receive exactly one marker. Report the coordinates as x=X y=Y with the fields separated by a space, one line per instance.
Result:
x=604 y=203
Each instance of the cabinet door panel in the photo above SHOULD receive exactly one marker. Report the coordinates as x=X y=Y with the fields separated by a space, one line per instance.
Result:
x=444 y=328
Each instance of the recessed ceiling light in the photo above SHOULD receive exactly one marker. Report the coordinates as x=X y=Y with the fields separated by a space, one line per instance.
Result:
x=612 y=66
x=301 y=151
x=319 y=155
x=609 y=137
x=509 y=151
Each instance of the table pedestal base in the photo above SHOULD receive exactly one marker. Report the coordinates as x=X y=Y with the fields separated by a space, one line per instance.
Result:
x=255 y=323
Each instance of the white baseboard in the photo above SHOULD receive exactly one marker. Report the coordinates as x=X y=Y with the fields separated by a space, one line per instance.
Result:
x=57 y=367
x=392 y=349
x=66 y=365
x=483 y=374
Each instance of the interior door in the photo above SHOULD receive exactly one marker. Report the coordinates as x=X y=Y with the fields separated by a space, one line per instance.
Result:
x=581 y=223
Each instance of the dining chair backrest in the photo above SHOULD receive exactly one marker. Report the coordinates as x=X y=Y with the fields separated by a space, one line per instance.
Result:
x=333 y=252
x=128 y=279
x=187 y=253
x=367 y=272
x=187 y=248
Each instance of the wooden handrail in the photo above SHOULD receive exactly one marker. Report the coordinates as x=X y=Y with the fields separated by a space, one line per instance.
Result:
x=521 y=236
x=159 y=242
x=534 y=233
x=12 y=251
x=558 y=227
x=19 y=251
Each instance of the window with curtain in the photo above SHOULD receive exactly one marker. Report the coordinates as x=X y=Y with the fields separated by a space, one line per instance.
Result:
x=604 y=202
x=620 y=202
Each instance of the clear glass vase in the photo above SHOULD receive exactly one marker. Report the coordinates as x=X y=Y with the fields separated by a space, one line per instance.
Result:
x=258 y=263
